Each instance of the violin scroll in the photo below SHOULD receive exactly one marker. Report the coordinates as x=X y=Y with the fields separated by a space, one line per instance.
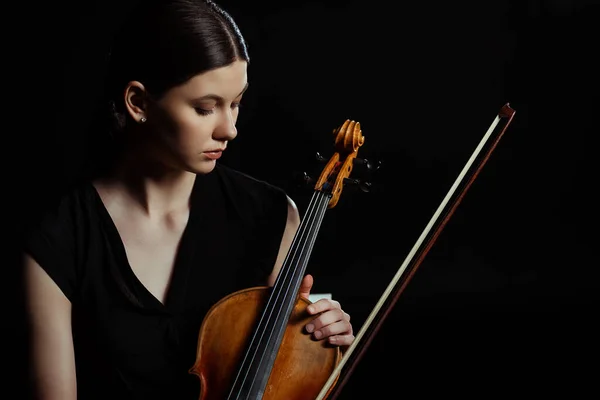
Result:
x=348 y=139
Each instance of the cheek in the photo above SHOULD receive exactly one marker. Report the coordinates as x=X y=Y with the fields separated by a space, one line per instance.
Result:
x=192 y=133
x=181 y=126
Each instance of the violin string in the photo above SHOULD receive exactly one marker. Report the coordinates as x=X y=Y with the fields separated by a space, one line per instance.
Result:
x=293 y=281
x=272 y=298
x=288 y=279
x=279 y=286
x=294 y=275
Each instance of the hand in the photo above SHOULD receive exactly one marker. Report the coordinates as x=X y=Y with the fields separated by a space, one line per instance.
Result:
x=332 y=323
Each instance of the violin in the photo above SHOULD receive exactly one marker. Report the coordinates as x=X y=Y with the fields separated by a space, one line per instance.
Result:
x=252 y=343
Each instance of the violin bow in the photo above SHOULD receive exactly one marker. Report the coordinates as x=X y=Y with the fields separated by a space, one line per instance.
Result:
x=413 y=260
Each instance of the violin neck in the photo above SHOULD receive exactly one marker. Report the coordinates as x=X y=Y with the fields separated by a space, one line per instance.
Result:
x=258 y=361
x=293 y=269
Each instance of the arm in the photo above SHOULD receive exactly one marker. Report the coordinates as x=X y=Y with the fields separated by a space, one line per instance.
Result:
x=291 y=226
x=52 y=360
x=331 y=322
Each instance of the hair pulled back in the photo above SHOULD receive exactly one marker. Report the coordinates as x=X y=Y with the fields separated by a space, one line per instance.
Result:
x=163 y=43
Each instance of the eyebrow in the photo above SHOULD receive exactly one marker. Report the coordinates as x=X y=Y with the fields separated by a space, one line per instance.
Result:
x=219 y=98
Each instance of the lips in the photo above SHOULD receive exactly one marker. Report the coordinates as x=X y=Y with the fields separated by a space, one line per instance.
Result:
x=214 y=154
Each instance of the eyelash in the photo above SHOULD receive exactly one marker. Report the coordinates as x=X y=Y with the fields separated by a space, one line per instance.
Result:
x=202 y=111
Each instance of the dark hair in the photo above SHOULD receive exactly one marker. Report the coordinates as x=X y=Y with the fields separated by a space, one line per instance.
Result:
x=164 y=43
x=161 y=43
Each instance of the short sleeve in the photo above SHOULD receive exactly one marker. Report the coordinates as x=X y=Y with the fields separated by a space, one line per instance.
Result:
x=51 y=243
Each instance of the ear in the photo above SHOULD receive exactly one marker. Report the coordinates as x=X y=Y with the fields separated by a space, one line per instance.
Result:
x=136 y=101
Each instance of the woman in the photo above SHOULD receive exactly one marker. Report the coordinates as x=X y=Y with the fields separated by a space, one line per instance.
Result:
x=120 y=274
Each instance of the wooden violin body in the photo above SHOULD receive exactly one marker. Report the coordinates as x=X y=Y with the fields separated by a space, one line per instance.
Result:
x=253 y=344
x=302 y=365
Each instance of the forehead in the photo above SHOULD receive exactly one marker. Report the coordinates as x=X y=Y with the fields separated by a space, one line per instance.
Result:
x=226 y=82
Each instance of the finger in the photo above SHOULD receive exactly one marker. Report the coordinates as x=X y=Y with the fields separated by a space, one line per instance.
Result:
x=338 y=328
x=306 y=286
x=327 y=318
x=323 y=305
x=341 y=340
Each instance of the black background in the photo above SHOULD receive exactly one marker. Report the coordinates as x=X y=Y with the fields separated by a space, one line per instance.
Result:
x=504 y=301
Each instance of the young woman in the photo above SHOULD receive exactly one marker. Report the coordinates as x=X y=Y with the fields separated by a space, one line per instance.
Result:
x=121 y=272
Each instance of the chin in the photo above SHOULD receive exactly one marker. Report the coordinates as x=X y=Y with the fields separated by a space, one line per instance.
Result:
x=205 y=167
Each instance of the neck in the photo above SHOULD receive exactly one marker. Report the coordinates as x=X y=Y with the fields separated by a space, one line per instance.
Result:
x=153 y=191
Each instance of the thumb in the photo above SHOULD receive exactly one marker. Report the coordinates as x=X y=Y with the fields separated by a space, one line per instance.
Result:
x=306 y=285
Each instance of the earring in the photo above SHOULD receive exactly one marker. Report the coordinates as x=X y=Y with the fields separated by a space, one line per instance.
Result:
x=143 y=119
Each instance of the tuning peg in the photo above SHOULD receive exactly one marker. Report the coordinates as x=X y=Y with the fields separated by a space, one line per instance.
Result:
x=304 y=179
x=319 y=157
x=363 y=186
x=370 y=166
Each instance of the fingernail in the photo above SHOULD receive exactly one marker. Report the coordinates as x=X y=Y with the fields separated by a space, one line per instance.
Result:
x=310 y=309
x=310 y=327
x=318 y=334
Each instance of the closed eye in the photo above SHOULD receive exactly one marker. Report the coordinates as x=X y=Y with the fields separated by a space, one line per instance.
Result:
x=203 y=111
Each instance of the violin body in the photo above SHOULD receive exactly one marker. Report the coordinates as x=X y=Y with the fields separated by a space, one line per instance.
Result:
x=301 y=367
x=239 y=356
x=252 y=344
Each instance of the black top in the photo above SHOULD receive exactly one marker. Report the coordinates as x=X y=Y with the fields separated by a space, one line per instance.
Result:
x=127 y=343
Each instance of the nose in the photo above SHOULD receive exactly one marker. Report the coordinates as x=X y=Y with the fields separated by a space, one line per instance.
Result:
x=226 y=129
